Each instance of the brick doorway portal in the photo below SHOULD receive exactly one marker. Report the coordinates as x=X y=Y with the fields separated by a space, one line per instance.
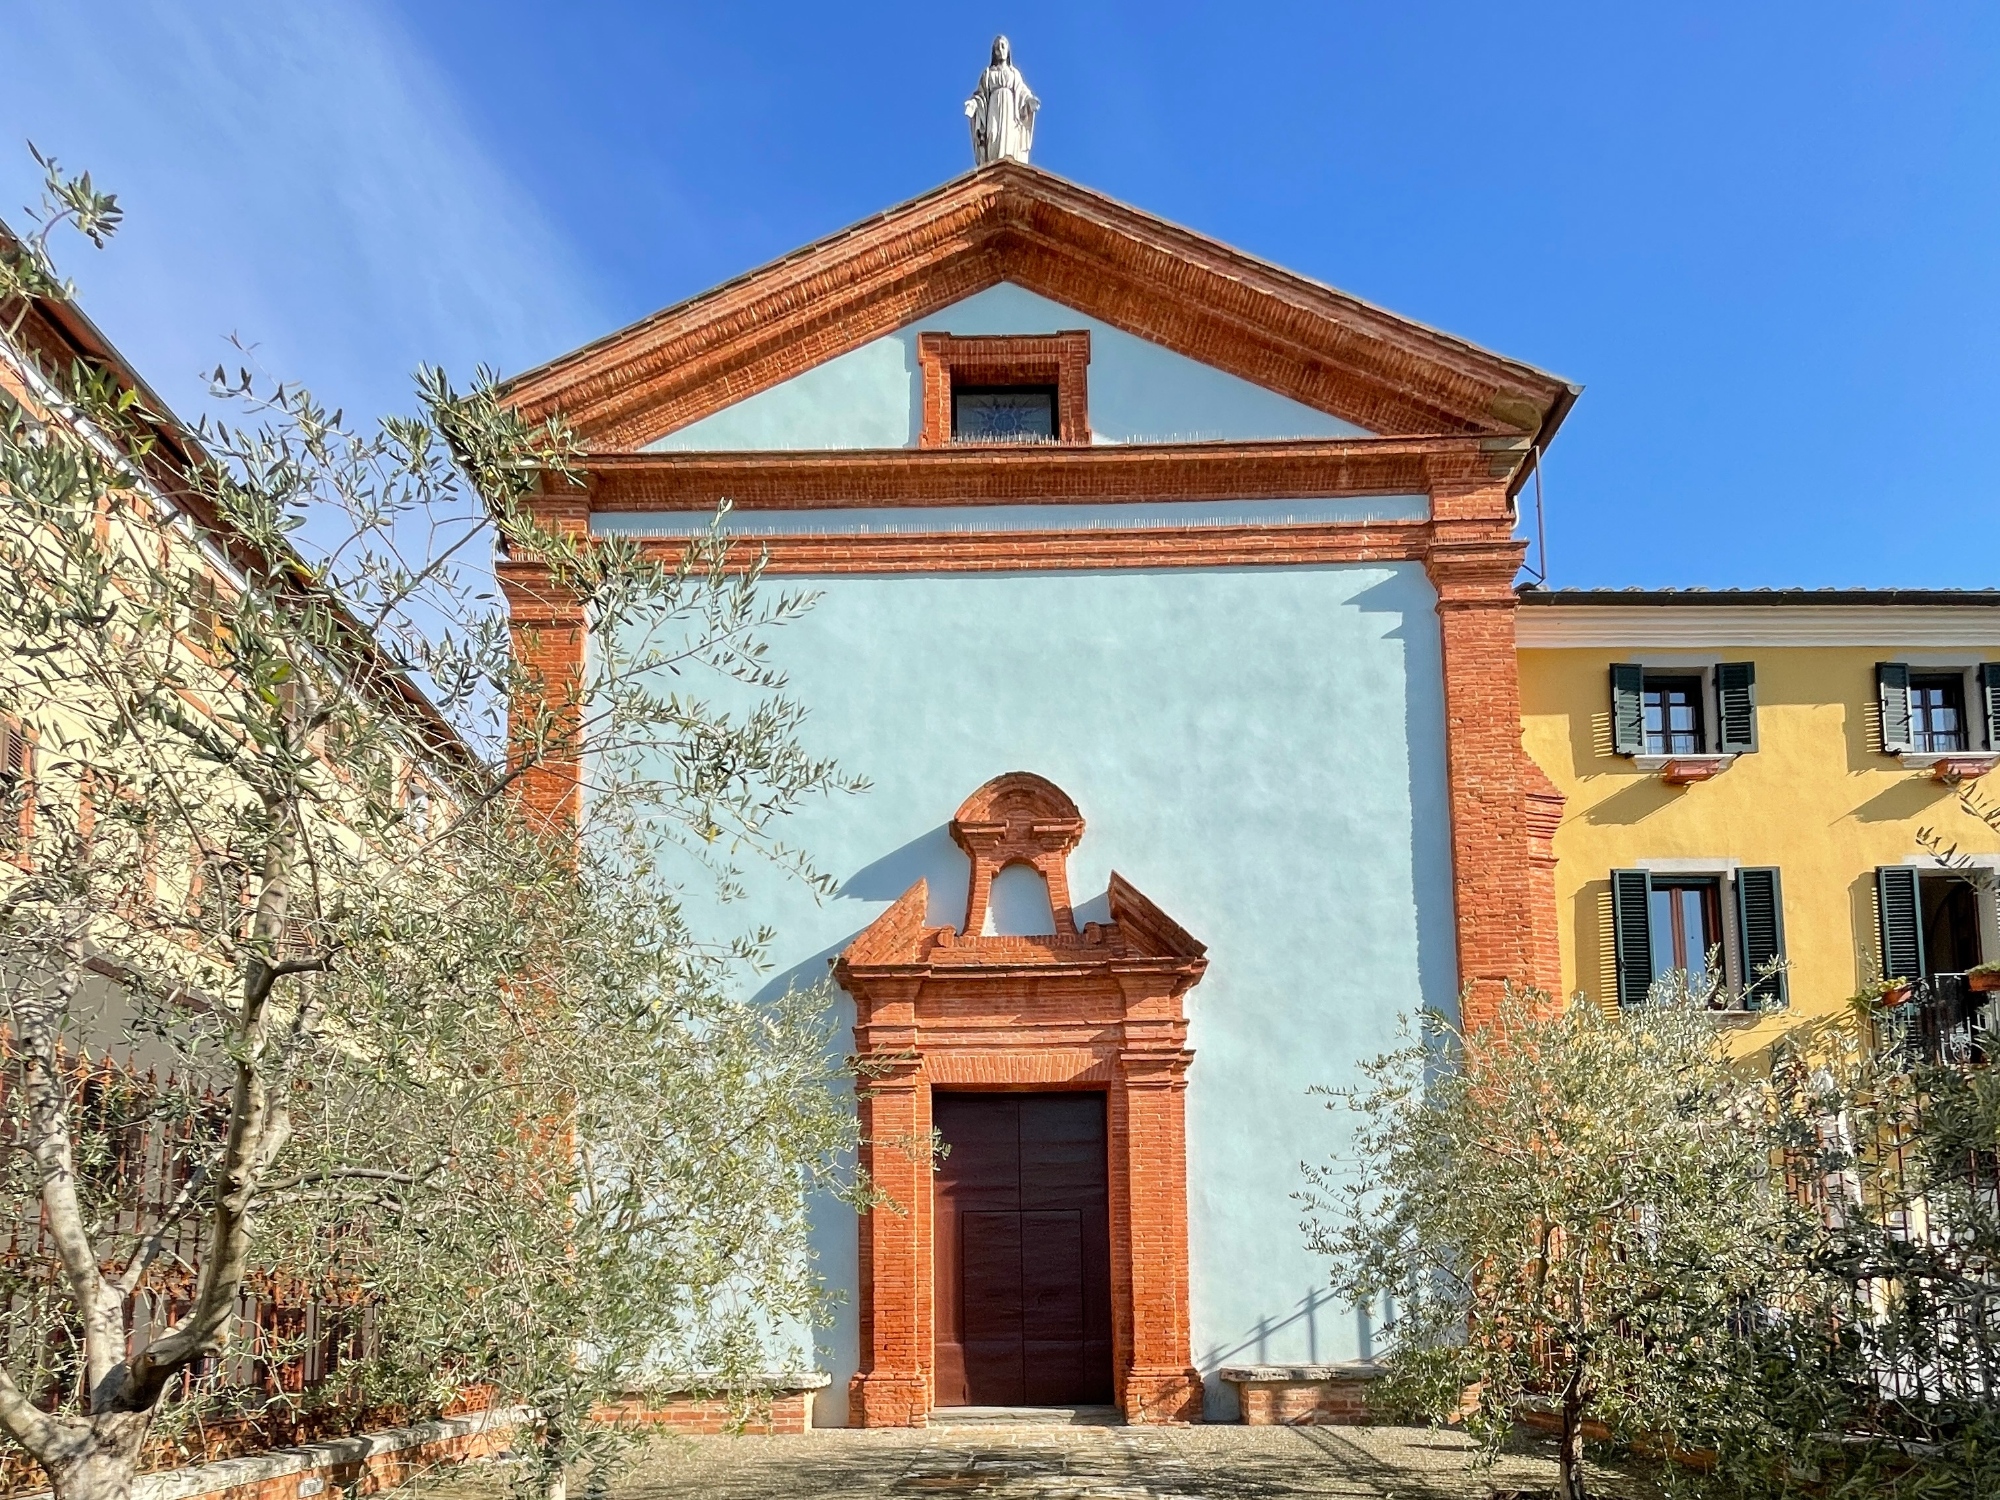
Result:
x=1063 y=1029
x=1023 y=1250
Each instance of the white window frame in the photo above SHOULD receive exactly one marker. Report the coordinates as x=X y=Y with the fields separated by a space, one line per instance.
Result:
x=1723 y=871
x=1932 y=664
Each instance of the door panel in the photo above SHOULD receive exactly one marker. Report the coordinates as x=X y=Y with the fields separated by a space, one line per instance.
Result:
x=990 y=1308
x=1022 y=1245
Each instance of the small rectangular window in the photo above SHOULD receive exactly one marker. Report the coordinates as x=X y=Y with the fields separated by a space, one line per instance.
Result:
x=1937 y=712
x=1672 y=709
x=1686 y=919
x=1003 y=414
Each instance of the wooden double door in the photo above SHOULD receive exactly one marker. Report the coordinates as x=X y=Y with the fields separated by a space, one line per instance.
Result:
x=1023 y=1251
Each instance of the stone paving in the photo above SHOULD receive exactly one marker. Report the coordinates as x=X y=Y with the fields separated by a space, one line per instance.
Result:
x=1080 y=1463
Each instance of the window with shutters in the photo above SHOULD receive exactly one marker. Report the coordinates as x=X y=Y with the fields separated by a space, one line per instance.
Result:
x=1725 y=925
x=205 y=613
x=1928 y=921
x=1937 y=712
x=17 y=791
x=1670 y=713
x=220 y=894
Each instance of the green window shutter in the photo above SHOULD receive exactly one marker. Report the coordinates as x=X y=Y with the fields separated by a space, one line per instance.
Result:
x=1989 y=701
x=1760 y=931
x=1735 y=707
x=1902 y=922
x=1632 y=934
x=1892 y=689
x=1628 y=709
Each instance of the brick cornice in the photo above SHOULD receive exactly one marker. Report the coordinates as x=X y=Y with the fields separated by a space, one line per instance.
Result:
x=869 y=477
x=1017 y=551
x=1018 y=223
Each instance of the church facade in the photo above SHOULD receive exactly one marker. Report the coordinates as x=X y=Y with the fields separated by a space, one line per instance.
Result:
x=1167 y=601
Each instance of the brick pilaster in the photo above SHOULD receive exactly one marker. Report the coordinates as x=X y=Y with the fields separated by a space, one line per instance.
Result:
x=1160 y=1383
x=546 y=626
x=1149 y=1109
x=1473 y=559
x=893 y=1386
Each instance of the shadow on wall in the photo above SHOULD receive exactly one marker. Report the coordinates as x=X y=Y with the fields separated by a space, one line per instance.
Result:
x=831 y=1231
x=1596 y=944
x=1310 y=1311
x=932 y=857
x=1863 y=733
x=1631 y=804
x=1866 y=923
x=1912 y=797
x=1590 y=737
x=1409 y=597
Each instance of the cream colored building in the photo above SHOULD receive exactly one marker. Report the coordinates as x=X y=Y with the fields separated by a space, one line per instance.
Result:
x=1767 y=774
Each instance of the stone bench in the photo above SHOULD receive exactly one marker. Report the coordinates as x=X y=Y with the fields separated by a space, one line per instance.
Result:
x=1303 y=1395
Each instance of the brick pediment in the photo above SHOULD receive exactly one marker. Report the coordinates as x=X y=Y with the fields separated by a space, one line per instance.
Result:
x=1016 y=223
x=1138 y=932
x=1021 y=818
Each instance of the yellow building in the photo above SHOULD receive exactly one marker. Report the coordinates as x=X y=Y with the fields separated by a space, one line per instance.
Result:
x=1766 y=775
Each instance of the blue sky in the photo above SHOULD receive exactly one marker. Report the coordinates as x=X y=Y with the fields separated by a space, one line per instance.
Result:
x=1763 y=236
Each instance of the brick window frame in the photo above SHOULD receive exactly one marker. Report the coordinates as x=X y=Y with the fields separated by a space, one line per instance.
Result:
x=1102 y=1011
x=1042 y=359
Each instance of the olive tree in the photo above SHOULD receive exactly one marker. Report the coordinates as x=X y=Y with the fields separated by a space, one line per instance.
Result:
x=416 y=1054
x=1570 y=1211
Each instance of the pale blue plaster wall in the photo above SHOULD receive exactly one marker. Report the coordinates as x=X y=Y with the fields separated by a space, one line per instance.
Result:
x=1260 y=751
x=871 y=397
x=1017 y=904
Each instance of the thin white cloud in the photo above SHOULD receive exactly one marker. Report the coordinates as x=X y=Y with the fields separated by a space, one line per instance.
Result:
x=297 y=174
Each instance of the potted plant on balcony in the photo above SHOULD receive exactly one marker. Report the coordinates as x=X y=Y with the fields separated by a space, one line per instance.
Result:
x=1985 y=978
x=1883 y=994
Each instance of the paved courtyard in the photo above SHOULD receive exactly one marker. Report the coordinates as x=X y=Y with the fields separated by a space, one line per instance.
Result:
x=1079 y=1463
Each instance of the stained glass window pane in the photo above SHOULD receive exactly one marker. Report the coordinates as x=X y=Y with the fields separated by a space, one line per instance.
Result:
x=1017 y=414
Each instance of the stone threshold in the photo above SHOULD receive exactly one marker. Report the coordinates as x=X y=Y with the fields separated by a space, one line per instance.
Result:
x=1025 y=1416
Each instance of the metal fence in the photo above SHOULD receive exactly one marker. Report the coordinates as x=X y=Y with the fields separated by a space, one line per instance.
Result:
x=1906 y=1181
x=139 y=1138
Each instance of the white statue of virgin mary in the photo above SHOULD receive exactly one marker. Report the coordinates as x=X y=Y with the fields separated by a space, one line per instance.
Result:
x=1002 y=110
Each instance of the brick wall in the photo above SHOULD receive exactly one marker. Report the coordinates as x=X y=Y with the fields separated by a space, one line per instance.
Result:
x=364 y=1465
x=786 y=1412
x=1333 y=1397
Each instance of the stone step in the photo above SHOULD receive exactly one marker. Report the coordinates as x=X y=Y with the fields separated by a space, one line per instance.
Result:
x=1026 y=1416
